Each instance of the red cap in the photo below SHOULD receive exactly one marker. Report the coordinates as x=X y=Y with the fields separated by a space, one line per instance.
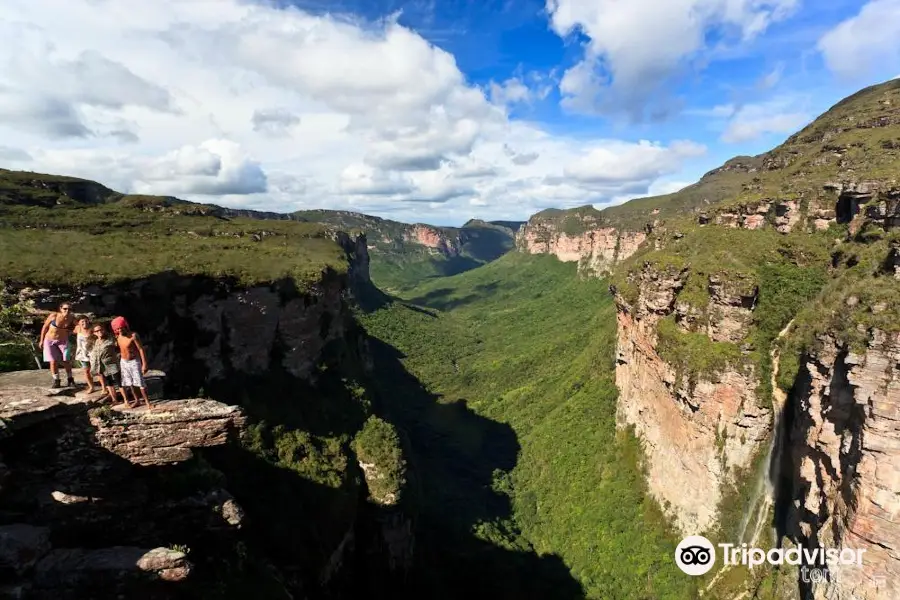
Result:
x=118 y=323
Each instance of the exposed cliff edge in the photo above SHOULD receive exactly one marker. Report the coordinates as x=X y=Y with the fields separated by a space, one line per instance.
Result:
x=700 y=430
x=69 y=474
x=579 y=237
x=845 y=462
x=289 y=353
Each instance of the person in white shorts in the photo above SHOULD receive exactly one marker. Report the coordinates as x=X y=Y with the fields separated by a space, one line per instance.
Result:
x=133 y=363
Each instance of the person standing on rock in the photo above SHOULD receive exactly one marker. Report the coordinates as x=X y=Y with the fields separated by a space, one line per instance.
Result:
x=84 y=340
x=104 y=359
x=55 y=340
x=134 y=360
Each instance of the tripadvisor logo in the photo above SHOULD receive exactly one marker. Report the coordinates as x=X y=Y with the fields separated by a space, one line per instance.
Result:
x=695 y=555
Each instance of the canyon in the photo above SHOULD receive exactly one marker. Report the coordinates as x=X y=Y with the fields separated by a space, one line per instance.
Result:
x=724 y=361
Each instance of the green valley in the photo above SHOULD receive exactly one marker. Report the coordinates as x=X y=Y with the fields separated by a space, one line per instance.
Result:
x=523 y=346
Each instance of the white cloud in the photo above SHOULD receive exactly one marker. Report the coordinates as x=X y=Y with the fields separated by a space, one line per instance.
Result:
x=364 y=180
x=771 y=79
x=618 y=163
x=521 y=90
x=751 y=121
x=215 y=167
x=521 y=159
x=13 y=154
x=634 y=48
x=511 y=91
x=661 y=188
x=273 y=108
x=865 y=42
x=274 y=121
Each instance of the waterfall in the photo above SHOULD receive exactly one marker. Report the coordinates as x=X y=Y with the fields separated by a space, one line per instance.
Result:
x=769 y=472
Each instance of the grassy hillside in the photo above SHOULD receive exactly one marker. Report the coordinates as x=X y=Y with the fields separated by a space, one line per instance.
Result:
x=517 y=440
x=857 y=139
x=400 y=263
x=112 y=242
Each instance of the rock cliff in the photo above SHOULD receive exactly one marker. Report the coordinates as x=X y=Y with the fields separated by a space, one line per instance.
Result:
x=81 y=514
x=434 y=238
x=295 y=361
x=700 y=431
x=844 y=462
x=582 y=239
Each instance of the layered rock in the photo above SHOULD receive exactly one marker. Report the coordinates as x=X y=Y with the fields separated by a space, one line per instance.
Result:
x=747 y=216
x=699 y=435
x=167 y=434
x=77 y=518
x=596 y=250
x=205 y=333
x=434 y=238
x=845 y=462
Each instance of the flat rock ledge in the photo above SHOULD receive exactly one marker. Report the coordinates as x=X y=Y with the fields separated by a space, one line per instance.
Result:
x=162 y=436
x=166 y=434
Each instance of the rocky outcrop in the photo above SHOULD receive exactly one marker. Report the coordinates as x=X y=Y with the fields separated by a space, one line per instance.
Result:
x=845 y=462
x=728 y=313
x=77 y=518
x=434 y=238
x=698 y=435
x=596 y=250
x=885 y=211
x=167 y=434
x=747 y=216
x=288 y=356
x=206 y=333
x=36 y=189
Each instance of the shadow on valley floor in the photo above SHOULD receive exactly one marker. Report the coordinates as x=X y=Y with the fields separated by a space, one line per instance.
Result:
x=455 y=456
x=440 y=298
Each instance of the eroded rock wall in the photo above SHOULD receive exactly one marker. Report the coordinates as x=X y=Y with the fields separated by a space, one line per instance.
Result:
x=434 y=238
x=845 y=442
x=697 y=435
x=595 y=250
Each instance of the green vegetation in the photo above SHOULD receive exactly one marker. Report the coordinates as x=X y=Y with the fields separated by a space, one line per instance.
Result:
x=787 y=270
x=862 y=296
x=518 y=444
x=111 y=243
x=574 y=221
x=400 y=263
x=15 y=351
x=378 y=444
x=694 y=354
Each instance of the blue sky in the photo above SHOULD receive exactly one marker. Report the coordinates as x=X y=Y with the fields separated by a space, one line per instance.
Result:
x=433 y=111
x=494 y=40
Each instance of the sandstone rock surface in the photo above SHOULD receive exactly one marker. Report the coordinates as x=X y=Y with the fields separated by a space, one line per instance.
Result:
x=167 y=433
x=697 y=435
x=846 y=463
x=596 y=250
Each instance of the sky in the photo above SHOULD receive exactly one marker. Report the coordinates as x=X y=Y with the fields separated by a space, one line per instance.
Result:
x=432 y=111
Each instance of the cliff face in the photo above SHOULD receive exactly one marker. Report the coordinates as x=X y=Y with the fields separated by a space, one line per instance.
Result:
x=295 y=360
x=596 y=249
x=874 y=201
x=80 y=489
x=845 y=462
x=206 y=332
x=699 y=431
x=434 y=238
